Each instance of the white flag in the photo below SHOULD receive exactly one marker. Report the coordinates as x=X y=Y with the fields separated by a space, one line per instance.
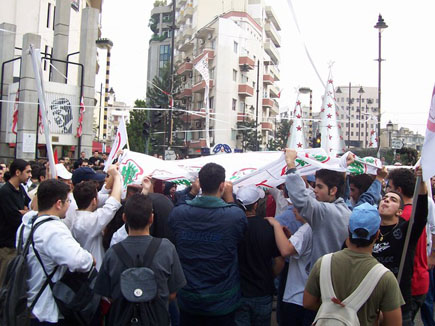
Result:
x=120 y=141
x=202 y=67
x=427 y=156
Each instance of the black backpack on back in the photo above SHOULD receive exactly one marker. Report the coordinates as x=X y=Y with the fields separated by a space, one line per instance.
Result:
x=140 y=303
x=13 y=294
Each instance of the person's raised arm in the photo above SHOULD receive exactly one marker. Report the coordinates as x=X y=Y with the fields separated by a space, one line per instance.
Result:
x=117 y=183
x=285 y=247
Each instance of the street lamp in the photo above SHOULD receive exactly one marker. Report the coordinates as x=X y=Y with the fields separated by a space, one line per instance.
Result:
x=380 y=25
x=390 y=130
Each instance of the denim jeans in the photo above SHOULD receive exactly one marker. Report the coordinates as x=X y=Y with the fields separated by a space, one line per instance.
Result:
x=427 y=307
x=255 y=311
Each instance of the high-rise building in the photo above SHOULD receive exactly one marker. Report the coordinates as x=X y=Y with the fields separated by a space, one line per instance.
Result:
x=362 y=113
x=241 y=39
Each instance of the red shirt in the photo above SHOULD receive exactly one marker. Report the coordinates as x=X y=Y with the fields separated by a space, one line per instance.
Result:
x=420 y=278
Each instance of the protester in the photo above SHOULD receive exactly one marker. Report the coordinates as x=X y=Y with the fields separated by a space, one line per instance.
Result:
x=327 y=214
x=2 y=171
x=165 y=265
x=388 y=248
x=79 y=161
x=89 y=220
x=56 y=247
x=95 y=159
x=207 y=231
x=403 y=181
x=298 y=249
x=350 y=266
x=259 y=262
x=64 y=175
x=14 y=203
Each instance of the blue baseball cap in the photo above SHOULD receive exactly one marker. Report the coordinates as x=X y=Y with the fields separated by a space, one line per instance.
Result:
x=364 y=216
x=86 y=173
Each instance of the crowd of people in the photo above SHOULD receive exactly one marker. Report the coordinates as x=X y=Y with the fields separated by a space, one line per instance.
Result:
x=224 y=254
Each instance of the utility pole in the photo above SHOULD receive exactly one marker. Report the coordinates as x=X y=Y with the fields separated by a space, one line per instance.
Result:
x=171 y=96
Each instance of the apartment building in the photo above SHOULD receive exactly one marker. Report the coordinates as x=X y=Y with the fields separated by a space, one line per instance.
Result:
x=241 y=39
x=359 y=117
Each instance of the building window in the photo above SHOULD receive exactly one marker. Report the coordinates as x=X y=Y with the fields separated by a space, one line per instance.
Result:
x=213 y=43
x=48 y=15
x=164 y=57
x=351 y=133
x=234 y=104
x=234 y=75
x=211 y=100
x=236 y=47
x=351 y=125
x=54 y=16
x=242 y=106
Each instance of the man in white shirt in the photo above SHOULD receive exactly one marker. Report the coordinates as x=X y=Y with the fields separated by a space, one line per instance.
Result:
x=56 y=247
x=89 y=220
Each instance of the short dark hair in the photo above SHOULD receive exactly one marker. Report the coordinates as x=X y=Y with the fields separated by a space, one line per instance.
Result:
x=332 y=179
x=137 y=210
x=362 y=242
x=361 y=181
x=50 y=191
x=211 y=176
x=84 y=192
x=402 y=203
x=18 y=164
x=403 y=178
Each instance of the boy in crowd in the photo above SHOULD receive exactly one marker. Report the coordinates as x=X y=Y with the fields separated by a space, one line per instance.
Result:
x=165 y=265
x=55 y=246
x=89 y=220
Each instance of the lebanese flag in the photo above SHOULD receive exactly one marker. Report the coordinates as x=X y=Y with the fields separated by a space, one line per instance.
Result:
x=427 y=157
x=81 y=113
x=15 y=114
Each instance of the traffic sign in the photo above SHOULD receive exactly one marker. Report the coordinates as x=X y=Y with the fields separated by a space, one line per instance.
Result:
x=396 y=143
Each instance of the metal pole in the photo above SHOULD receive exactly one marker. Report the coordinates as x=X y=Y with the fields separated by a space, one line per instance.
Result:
x=172 y=71
x=379 y=96
x=348 y=127
x=366 y=123
x=359 y=122
x=256 y=107
x=99 y=114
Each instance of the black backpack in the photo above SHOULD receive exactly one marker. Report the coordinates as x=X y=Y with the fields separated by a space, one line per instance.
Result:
x=13 y=294
x=140 y=303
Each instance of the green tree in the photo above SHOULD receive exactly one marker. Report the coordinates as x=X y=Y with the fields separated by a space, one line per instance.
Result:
x=246 y=131
x=136 y=137
x=281 y=137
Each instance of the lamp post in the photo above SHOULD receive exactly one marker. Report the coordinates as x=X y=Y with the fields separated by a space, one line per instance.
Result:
x=380 y=25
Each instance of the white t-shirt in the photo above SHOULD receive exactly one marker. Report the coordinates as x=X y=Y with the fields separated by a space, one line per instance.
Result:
x=299 y=265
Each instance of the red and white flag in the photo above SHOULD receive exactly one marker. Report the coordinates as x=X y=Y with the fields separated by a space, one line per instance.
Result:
x=427 y=156
x=15 y=114
x=120 y=141
x=81 y=114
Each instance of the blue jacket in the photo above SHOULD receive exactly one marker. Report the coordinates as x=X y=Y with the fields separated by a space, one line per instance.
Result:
x=372 y=195
x=207 y=232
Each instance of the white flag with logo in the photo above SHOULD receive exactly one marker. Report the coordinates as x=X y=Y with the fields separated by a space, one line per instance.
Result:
x=427 y=156
x=202 y=67
x=120 y=141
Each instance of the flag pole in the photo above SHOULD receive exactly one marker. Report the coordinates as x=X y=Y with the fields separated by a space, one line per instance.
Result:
x=410 y=224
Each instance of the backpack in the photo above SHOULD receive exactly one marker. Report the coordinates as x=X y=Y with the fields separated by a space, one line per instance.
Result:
x=13 y=294
x=333 y=314
x=74 y=295
x=140 y=303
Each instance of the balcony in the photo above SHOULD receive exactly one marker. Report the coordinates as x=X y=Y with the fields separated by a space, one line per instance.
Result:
x=185 y=68
x=266 y=126
x=200 y=87
x=272 y=51
x=267 y=103
x=188 y=11
x=203 y=53
x=274 y=71
x=245 y=60
x=187 y=46
x=272 y=33
x=179 y=39
x=187 y=33
x=268 y=79
x=274 y=110
x=205 y=32
x=246 y=90
x=271 y=15
x=186 y=92
x=273 y=91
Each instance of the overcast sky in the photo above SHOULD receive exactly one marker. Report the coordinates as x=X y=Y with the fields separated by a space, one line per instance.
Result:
x=334 y=30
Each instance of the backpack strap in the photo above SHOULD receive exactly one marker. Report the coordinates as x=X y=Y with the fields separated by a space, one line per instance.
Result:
x=326 y=288
x=128 y=261
x=365 y=288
